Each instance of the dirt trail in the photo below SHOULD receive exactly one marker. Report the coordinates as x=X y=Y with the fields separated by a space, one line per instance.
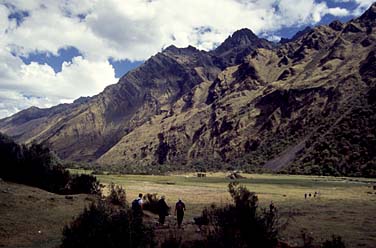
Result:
x=188 y=233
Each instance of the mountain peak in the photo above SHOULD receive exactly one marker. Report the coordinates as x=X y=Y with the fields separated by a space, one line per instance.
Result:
x=242 y=37
x=171 y=48
x=175 y=50
x=237 y=46
x=243 y=34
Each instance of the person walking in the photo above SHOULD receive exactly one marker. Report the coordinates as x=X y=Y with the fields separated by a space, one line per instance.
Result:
x=163 y=210
x=271 y=207
x=179 y=211
x=137 y=208
x=137 y=203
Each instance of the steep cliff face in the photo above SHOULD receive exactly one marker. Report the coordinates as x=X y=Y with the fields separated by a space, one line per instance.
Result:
x=247 y=103
x=87 y=128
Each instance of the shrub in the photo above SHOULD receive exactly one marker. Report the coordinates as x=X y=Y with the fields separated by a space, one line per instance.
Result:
x=150 y=203
x=117 y=196
x=241 y=224
x=103 y=225
x=204 y=218
x=86 y=184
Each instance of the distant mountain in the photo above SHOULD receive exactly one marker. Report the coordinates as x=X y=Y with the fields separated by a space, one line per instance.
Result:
x=304 y=106
x=236 y=47
x=298 y=35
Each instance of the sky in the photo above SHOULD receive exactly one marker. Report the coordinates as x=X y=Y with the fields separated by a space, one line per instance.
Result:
x=55 y=51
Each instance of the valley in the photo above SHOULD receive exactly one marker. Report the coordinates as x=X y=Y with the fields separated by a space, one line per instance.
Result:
x=293 y=121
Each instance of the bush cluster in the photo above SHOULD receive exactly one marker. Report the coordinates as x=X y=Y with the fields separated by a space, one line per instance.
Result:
x=36 y=165
x=108 y=223
x=150 y=202
x=243 y=224
x=117 y=196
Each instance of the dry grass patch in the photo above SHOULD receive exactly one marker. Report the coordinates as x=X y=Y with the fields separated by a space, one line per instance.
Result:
x=31 y=217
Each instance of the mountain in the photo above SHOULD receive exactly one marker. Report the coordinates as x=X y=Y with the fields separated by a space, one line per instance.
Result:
x=299 y=34
x=302 y=106
x=236 y=47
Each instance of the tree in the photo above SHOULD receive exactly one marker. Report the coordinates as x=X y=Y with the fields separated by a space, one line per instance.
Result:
x=242 y=224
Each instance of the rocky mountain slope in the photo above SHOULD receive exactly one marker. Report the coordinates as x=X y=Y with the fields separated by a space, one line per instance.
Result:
x=306 y=105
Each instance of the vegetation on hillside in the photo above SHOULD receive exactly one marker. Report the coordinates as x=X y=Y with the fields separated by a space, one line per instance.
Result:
x=336 y=142
x=37 y=166
x=347 y=148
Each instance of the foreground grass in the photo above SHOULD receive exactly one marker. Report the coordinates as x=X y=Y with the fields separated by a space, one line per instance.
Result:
x=32 y=217
x=345 y=207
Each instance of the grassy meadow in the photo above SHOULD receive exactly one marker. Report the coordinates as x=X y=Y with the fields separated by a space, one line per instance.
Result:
x=345 y=206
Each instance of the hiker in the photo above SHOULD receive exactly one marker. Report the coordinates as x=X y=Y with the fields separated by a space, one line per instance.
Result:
x=137 y=209
x=305 y=196
x=272 y=207
x=137 y=203
x=179 y=211
x=163 y=209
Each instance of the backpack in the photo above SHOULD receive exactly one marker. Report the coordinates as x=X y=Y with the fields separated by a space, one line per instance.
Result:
x=136 y=204
x=179 y=206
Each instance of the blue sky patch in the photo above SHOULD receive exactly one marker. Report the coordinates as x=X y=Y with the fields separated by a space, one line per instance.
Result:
x=55 y=61
x=123 y=66
x=19 y=16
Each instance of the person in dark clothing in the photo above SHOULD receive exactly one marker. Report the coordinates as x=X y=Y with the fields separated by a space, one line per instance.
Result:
x=179 y=211
x=163 y=209
x=137 y=208
x=272 y=207
x=137 y=203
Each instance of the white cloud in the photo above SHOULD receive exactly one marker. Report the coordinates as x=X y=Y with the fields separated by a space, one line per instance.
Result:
x=76 y=78
x=306 y=12
x=12 y=101
x=23 y=86
x=274 y=38
x=362 y=6
x=122 y=29
x=136 y=29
